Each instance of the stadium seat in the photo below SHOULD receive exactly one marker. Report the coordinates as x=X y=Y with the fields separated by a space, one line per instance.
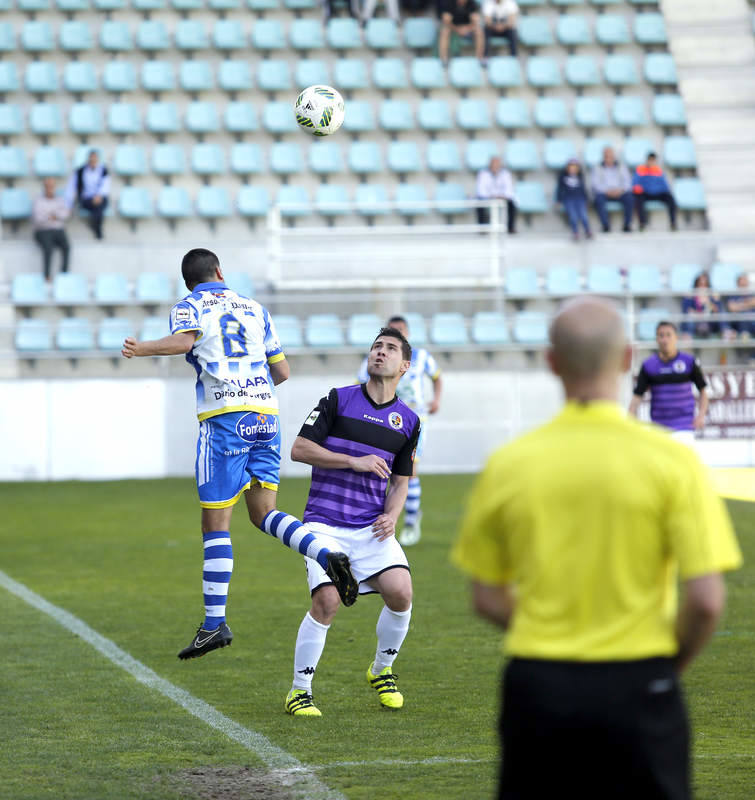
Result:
x=11 y=120
x=396 y=115
x=36 y=37
x=504 y=72
x=669 y=111
x=563 y=280
x=29 y=289
x=309 y=71
x=79 y=77
x=213 y=202
x=190 y=35
x=111 y=288
x=7 y=38
x=240 y=117
x=590 y=112
x=420 y=33
x=13 y=163
x=288 y=328
x=636 y=150
x=168 y=159
x=129 y=160
x=263 y=5
x=647 y=322
x=119 y=77
x=162 y=118
x=443 y=156
x=660 y=69
x=202 y=118
x=246 y=158
x=344 y=34
x=479 y=152
x=152 y=36
x=593 y=150
x=253 y=201
x=512 y=113
x=147 y=6
x=240 y=282
x=45 y=119
x=49 y=162
x=473 y=114
x=611 y=30
x=115 y=36
x=629 y=112
x=382 y=33
x=124 y=118
x=434 y=115
x=361 y=117
x=550 y=113
x=604 y=280
x=362 y=329
x=349 y=74
x=490 y=328
x=33 y=335
x=679 y=152
x=448 y=329
x=330 y=201
x=154 y=327
x=371 y=199
x=450 y=198
x=207 y=159
x=278 y=118
x=620 y=71
x=286 y=158
x=417 y=327
x=153 y=288
x=534 y=31
x=365 y=158
x=644 y=280
x=15 y=204
x=650 y=29
x=521 y=155
x=41 y=78
x=300 y=5
x=723 y=276
x=411 y=199
x=428 y=73
x=267 y=35
x=234 y=76
x=8 y=77
x=70 y=289
x=32 y=6
x=389 y=73
x=75 y=37
x=682 y=277
x=556 y=152
x=195 y=76
x=465 y=73
x=324 y=330
x=689 y=194
x=543 y=72
x=112 y=332
x=85 y=119
x=573 y=30
x=530 y=196
x=581 y=71
x=521 y=282
x=274 y=76
x=135 y=202
x=158 y=76
x=227 y=34
x=173 y=203
x=530 y=327
x=326 y=158
x=74 y=334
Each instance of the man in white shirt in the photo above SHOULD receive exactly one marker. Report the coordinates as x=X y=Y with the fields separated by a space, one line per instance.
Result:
x=493 y=183
x=49 y=215
x=499 y=20
x=90 y=186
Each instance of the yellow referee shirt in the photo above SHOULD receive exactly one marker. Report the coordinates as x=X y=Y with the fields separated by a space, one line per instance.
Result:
x=590 y=517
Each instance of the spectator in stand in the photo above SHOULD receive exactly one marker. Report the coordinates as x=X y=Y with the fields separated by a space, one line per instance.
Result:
x=496 y=183
x=49 y=215
x=461 y=17
x=90 y=186
x=611 y=180
x=572 y=194
x=743 y=303
x=391 y=7
x=650 y=184
x=499 y=18
x=700 y=305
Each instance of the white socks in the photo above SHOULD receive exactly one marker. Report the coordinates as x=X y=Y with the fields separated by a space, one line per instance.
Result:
x=310 y=643
x=392 y=627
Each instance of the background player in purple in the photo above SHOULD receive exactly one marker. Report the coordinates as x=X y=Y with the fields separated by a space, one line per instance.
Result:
x=360 y=441
x=669 y=375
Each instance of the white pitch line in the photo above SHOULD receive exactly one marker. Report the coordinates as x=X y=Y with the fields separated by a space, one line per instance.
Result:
x=274 y=757
x=406 y=762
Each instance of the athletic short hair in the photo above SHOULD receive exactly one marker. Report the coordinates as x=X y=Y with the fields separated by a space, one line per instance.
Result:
x=406 y=348
x=665 y=324
x=198 y=266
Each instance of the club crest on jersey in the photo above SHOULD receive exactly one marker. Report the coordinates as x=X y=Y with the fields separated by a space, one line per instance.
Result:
x=254 y=427
x=395 y=419
x=678 y=366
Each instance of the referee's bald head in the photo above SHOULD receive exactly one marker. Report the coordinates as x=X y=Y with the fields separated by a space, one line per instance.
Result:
x=588 y=340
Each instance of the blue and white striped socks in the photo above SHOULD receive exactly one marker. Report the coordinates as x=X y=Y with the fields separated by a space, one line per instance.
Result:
x=293 y=534
x=216 y=575
x=411 y=507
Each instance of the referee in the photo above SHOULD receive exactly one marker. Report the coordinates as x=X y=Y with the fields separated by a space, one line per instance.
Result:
x=573 y=537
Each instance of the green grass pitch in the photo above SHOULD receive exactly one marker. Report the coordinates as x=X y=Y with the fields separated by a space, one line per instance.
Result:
x=125 y=557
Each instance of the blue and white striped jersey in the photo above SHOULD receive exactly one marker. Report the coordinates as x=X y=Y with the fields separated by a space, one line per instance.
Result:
x=413 y=386
x=235 y=343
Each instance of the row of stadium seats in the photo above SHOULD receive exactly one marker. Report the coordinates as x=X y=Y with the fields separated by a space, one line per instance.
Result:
x=39 y=36
x=432 y=115
x=386 y=74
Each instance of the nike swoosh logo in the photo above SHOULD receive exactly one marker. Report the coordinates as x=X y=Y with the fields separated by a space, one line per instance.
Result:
x=201 y=642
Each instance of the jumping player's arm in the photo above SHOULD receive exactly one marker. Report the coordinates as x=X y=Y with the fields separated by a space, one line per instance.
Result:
x=173 y=345
x=279 y=370
x=640 y=388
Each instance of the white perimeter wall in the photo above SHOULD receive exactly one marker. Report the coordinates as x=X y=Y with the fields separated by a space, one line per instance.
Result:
x=111 y=429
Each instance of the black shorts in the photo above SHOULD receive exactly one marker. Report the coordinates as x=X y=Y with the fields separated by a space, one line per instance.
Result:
x=596 y=731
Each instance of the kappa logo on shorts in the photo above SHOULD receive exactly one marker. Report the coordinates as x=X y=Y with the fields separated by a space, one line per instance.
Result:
x=254 y=427
x=395 y=419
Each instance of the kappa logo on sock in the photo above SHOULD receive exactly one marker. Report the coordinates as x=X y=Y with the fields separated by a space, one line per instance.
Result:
x=390 y=651
x=307 y=671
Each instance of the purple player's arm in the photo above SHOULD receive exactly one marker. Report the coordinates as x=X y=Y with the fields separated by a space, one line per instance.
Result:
x=385 y=525
x=309 y=452
x=702 y=410
x=173 y=345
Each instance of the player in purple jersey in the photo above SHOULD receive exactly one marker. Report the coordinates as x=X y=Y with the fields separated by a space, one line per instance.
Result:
x=360 y=441
x=669 y=375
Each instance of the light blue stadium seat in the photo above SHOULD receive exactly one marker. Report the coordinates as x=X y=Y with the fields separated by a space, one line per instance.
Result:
x=669 y=111
x=234 y=76
x=604 y=279
x=660 y=69
x=650 y=29
x=240 y=117
x=556 y=152
x=593 y=150
x=158 y=76
x=240 y=282
x=326 y=158
x=162 y=118
x=155 y=327
x=365 y=158
x=344 y=34
x=563 y=280
x=679 y=152
x=564 y=3
x=411 y=199
x=41 y=77
x=222 y=6
x=75 y=36
x=70 y=289
x=620 y=70
x=49 y=162
x=448 y=329
x=268 y=34
x=147 y=6
x=396 y=115
x=13 y=163
x=278 y=117
x=115 y=36
x=682 y=276
x=350 y=73
x=479 y=152
x=190 y=35
x=309 y=71
x=504 y=72
x=590 y=112
x=530 y=327
x=534 y=31
x=29 y=289
x=7 y=38
x=723 y=276
x=201 y=118
x=370 y=199
x=428 y=73
x=636 y=150
x=306 y=34
x=530 y=196
x=173 y=203
x=72 y=6
x=330 y=201
x=450 y=198
x=288 y=328
x=8 y=77
x=465 y=73
x=36 y=37
x=689 y=194
x=119 y=76
x=227 y=34
x=582 y=71
x=300 y=5
x=360 y=117
x=417 y=328
x=362 y=329
x=629 y=112
x=647 y=322
x=85 y=119
x=187 y=5
x=274 y=75
x=45 y=119
x=420 y=33
x=11 y=120
x=522 y=282
x=15 y=204
x=124 y=118
x=152 y=36
x=286 y=158
x=207 y=159
x=324 y=330
x=79 y=77
x=611 y=30
x=130 y=160
x=389 y=73
x=168 y=159
x=253 y=201
x=550 y=113
x=443 y=156
x=263 y=5
x=543 y=72
x=135 y=202
x=573 y=30
x=32 y=6
x=153 y=288
x=33 y=335
x=246 y=158
x=434 y=115
x=473 y=114
x=111 y=288
x=521 y=155
x=489 y=328
x=196 y=76
x=112 y=333
x=644 y=279
x=382 y=33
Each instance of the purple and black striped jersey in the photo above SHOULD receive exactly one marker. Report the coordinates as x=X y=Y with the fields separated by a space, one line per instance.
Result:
x=672 y=403
x=347 y=421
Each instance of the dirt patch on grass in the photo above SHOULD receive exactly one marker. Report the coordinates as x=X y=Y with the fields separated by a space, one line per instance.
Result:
x=235 y=783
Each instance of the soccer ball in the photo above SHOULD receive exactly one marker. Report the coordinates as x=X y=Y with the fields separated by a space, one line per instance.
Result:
x=319 y=110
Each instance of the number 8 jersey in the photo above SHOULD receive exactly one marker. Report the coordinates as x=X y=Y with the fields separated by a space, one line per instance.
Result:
x=236 y=341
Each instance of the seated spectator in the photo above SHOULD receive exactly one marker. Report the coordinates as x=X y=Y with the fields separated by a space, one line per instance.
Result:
x=90 y=186
x=650 y=184
x=499 y=18
x=49 y=215
x=572 y=194
x=461 y=17
x=495 y=182
x=611 y=180
x=743 y=303
x=700 y=305
x=391 y=7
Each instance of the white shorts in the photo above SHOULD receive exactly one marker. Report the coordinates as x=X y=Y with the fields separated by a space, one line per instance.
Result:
x=368 y=556
x=685 y=437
